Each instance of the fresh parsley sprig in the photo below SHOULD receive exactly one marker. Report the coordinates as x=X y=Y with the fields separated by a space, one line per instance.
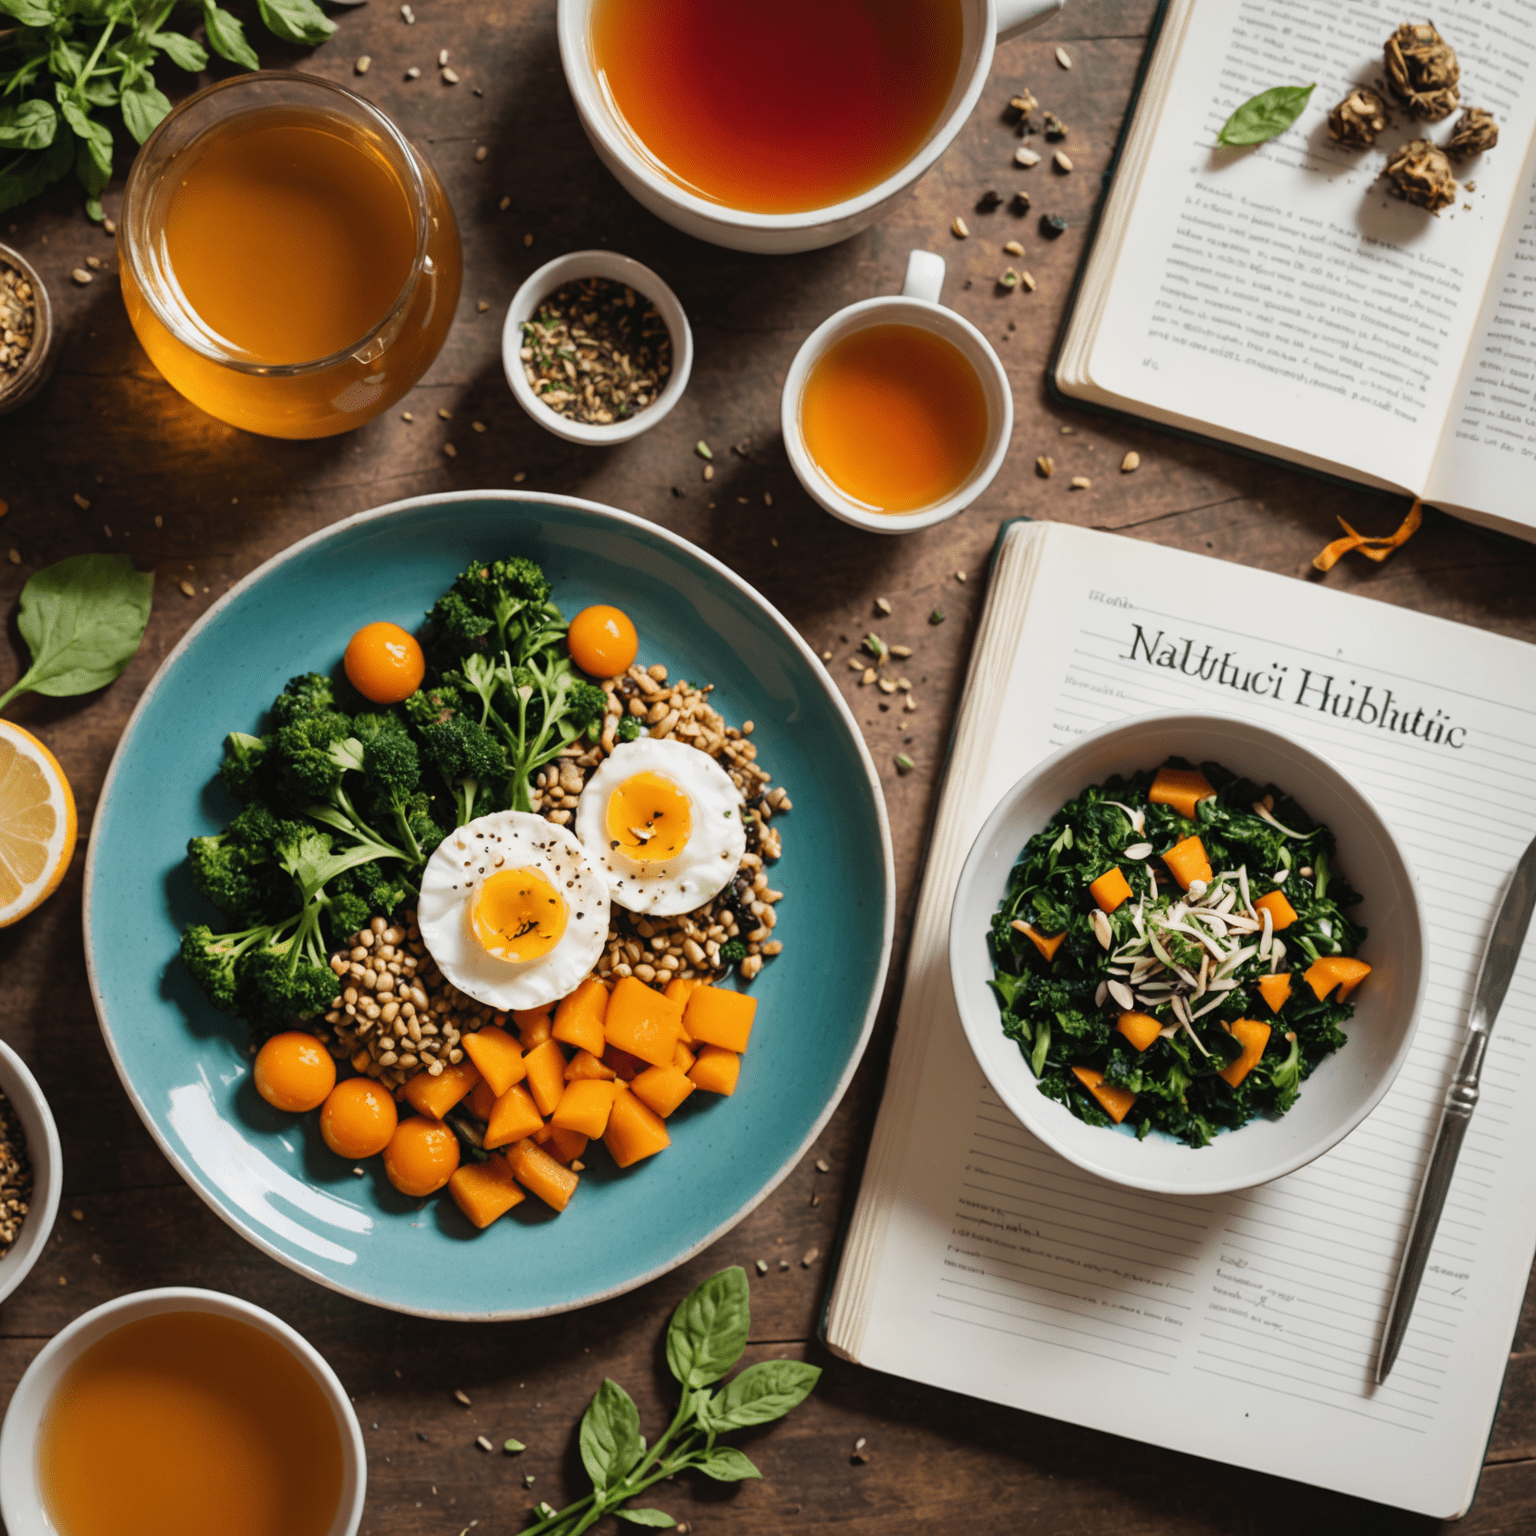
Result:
x=706 y=1337
x=65 y=61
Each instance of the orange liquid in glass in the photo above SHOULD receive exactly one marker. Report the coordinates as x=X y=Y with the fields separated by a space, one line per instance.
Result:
x=188 y=1424
x=895 y=417
x=780 y=107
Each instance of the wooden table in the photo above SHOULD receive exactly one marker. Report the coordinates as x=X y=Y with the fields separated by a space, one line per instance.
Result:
x=109 y=458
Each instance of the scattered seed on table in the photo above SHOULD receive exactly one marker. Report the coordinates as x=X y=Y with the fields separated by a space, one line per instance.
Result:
x=461 y=1396
x=709 y=471
x=94 y=263
x=14 y=556
x=406 y=416
x=783 y=1263
x=937 y=616
x=483 y=153
x=1009 y=280
x=902 y=651
x=960 y=576
x=815 y=1200
x=1062 y=162
x=1055 y=129
x=1020 y=204
x=960 y=229
x=413 y=73
x=81 y=502
x=511 y=1447
x=870 y=676
x=480 y=1440
x=77 y=1215
x=408 y=14
x=1064 y=58
x=442 y=58
x=823 y=1166
x=519 y=477
x=909 y=706
x=886 y=685
x=1052 y=224
x=1028 y=279
x=504 y=204
x=767 y=498
x=361 y=1173
x=1131 y=461
x=188 y=590
x=809 y=1257
x=1024 y=155
x=478 y=426
x=1080 y=482
x=361 y=66
x=989 y=202
x=883 y=604
x=527 y=240
x=450 y=450
x=904 y=764
x=450 y=77
x=81 y=276
x=1013 y=248
x=1045 y=466
x=109 y=226
x=703 y=449
x=159 y=521
x=481 y=305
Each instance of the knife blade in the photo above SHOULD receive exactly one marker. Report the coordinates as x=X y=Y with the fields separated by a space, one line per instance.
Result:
x=1502 y=954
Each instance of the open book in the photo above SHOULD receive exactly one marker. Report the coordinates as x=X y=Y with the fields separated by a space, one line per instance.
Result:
x=1281 y=299
x=1242 y=1327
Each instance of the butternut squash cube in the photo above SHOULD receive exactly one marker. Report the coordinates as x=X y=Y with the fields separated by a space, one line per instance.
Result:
x=1276 y=990
x=718 y=1016
x=1110 y=890
x=1141 y=1029
x=680 y=989
x=1341 y=971
x=513 y=1116
x=546 y=1075
x=564 y=1146
x=1281 y=913
x=643 y=1022
x=584 y=1107
x=498 y=1056
x=484 y=1191
x=533 y=1025
x=585 y=1064
x=683 y=1058
x=481 y=1100
x=579 y=1018
x=1115 y=1102
x=634 y=1131
x=1187 y=862
x=1182 y=788
x=435 y=1096
x=541 y=1175
x=625 y=1066
x=1046 y=946
x=716 y=1070
x=662 y=1088
x=1253 y=1036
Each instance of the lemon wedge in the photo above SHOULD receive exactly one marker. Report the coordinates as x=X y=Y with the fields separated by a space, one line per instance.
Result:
x=37 y=823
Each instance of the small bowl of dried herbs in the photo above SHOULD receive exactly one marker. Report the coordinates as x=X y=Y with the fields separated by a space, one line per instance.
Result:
x=26 y=331
x=596 y=347
x=31 y=1171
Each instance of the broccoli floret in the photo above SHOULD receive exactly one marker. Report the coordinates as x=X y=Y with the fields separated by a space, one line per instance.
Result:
x=309 y=694
x=732 y=952
x=495 y=607
x=515 y=579
x=429 y=706
x=459 y=627
x=585 y=706
x=270 y=974
x=468 y=757
x=247 y=765
x=629 y=729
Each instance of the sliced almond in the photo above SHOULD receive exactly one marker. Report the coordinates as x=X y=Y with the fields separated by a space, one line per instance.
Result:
x=1101 y=929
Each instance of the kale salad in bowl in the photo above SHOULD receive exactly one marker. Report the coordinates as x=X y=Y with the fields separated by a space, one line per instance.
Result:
x=1187 y=953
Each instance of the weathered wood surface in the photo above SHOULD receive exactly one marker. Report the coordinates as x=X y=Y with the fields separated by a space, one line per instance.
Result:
x=110 y=431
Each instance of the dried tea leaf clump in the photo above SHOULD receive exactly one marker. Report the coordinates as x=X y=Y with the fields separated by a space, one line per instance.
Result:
x=1475 y=132
x=1422 y=69
x=1420 y=173
x=1357 y=119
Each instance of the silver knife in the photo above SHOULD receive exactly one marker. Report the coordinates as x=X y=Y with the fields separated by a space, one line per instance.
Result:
x=1500 y=958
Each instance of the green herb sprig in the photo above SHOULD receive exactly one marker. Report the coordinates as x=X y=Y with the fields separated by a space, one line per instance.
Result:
x=706 y=1337
x=82 y=620
x=66 y=61
x=1262 y=117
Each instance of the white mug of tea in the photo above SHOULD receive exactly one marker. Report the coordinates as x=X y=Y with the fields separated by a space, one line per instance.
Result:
x=781 y=127
x=896 y=411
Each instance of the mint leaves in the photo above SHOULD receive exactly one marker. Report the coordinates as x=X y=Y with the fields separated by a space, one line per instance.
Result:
x=706 y=1337
x=1263 y=116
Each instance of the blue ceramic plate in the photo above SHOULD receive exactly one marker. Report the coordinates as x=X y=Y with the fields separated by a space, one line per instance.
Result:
x=268 y=1174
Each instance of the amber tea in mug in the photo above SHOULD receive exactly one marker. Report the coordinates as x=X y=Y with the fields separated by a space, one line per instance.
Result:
x=777 y=108
x=895 y=416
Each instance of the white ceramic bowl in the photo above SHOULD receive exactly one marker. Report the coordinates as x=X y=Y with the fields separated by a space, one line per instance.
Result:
x=623 y=269
x=21 y=1503
x=987 y=22
x=1343 y=1090
x=47 y=1159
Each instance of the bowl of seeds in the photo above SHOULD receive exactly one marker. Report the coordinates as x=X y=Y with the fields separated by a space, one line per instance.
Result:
x=596 y=347
x=31 y=1171
x=26 y=331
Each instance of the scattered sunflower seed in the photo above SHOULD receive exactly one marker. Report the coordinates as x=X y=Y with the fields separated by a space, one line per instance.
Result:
x=1131 y=461
x=483 y=152
x=883 y=604
x=909 y=706
x=874 y=645
x=903 y=651
x=960 y=577
x=450 y=450
x=1054 y=127
x=1009 y=279
x=869 y=676
x=1062 y=162
x=1020 y=204
x=481 y=306
x=504 y=204
x=459 y=1395
x=823 y=1166
x=767 y=498
x=478 y=426
x=709 y=471
x=442 y=58
x=1013 y=248
x=187 y=589
x=81 y=276
x=904 y=764
x=783 y=1263
x=762 y=1266
x=1064 y=58
x=361 y=66
x=81 y=502
x=989 y=202
x=450 y=77
x=937 y=616
x=406 y=416
x=413 y=73
x=886 y=685
x=14 y=556
x=1028 y=279
x=960 y=229
x=483 y=1443
x=702 y=449
x=809 y=1257
x=1022 y=104
x=1052 y=224
x=1080 y=482
x=1024 y=155
x=512 y=1447
x=1045 y=466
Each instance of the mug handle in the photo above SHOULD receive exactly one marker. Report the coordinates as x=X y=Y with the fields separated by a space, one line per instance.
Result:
x=925 y=277
x=1015 y=17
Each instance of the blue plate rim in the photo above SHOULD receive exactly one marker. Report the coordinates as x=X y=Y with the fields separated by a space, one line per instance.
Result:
x=818 y=671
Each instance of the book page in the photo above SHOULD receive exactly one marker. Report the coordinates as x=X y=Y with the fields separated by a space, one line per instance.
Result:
x=1242 y=1327
x=1278 y=294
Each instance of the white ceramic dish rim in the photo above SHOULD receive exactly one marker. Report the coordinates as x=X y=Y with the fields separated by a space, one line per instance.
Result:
x=24 y=1414
x=860 y=316
x=625 y=269
x=47 y=1159
x=888 y=870
x=1026 y=1107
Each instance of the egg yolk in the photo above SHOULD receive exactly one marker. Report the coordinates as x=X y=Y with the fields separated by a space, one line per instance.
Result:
x=517 y=915
x=358 y=1118
x=421 y=1156
x=649 y=818
x=384 y=663
x=294 y=1072
x=602 y=641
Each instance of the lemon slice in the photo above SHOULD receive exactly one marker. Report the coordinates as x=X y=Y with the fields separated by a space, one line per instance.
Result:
x=37 y=823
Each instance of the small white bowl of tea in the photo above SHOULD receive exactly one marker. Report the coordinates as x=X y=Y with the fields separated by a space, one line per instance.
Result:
x=180 y=1412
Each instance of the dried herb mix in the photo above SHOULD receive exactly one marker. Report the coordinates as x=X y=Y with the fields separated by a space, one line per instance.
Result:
x=1422 y=69
x=1357 y=119
x=1420 y=174
x=18 y=320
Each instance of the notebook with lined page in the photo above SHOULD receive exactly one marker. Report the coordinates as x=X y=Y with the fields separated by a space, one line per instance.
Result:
x=1242 y=1327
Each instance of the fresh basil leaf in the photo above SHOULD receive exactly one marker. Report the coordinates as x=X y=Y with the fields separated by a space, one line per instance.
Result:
x=36 y=170
x=760 y=1394
x=28 y=124
x=30 y=13
x=708 y=1331
x=100 y=91
x=610 y=1435
x=83 y=620
x=1265 y=115
x=65 y=62
x=144 y=105
x=727 y=1465
x=182 y=51
x=296 y=21
x=657 y=1519
x=227 y=37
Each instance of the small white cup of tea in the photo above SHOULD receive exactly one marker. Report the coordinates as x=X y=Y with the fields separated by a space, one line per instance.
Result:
x=896 y=411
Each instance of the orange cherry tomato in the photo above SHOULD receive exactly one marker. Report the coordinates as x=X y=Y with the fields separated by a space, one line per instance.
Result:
x=421 y=1156
x=294 y=1072
x=358 y=1118
x=384 y=663
x=602 y=641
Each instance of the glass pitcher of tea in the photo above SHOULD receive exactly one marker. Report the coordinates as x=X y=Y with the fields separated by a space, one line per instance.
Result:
x=289 y=262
